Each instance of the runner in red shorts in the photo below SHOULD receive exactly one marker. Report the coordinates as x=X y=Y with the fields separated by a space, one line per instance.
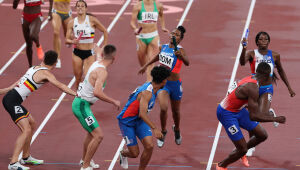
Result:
x=31 y=24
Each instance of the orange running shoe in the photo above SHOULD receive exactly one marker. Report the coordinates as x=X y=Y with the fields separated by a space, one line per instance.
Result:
x=220 y=168
x=245 y=161
x=40 y=52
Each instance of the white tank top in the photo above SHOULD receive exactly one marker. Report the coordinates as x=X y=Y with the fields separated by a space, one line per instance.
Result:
x=27 y=85
x=88 y=31
x=86 y=90
x=258 y=58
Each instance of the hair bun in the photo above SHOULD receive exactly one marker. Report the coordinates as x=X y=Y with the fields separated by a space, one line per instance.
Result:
x=181 y=29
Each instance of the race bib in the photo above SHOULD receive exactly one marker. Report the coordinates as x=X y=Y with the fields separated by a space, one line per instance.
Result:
x=18 y=109
x=232 y=87
x=149 y=17
x=32 y=1
x=89 y=120
x=233 y=130
x=166 y=60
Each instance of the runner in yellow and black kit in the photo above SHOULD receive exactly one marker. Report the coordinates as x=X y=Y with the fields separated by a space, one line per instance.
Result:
x=61 y=14
x=147 y=13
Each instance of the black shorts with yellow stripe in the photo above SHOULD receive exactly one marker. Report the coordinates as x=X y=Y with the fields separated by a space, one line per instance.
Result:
x=12 y=103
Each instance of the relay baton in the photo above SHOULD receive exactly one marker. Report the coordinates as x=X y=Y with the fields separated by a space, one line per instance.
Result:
x=174 y=43
x=80 y=35
x=246 y=37
x=140 y=29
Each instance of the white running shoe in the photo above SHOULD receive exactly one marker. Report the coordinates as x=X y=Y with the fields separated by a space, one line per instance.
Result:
x=123 y=161
x=17 y=166
x=161 y=142
x=31 y=160
x=58 y=63
x=275 y=124
x=250 y=152
x=92 y=164
x=88 y=168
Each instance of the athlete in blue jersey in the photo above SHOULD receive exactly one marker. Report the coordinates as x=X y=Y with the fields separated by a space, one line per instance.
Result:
x=263 y=54
x=171 y=56
x=134 y=121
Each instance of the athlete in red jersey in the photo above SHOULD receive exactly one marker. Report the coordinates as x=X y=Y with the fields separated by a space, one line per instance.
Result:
x=31 y=24
x=172 y=57
x=232 y=114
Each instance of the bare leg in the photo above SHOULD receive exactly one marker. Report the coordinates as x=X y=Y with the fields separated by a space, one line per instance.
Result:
x=26 y=148
x=26 y=32
x=87 y=63
x=260 y=135
x=97 y=137
x=56 y=23
x=240 y=151
x=24 y=126
x=142 y=54
x=163 y=98
x=264 y=107
x=65 y=25
x=175 y=104
x=152 y=51
x=147 y=153
x=77 y=69
x=35 y=28
x=87 y=140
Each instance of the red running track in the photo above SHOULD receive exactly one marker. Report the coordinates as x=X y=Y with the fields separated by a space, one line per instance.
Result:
x=214 y=30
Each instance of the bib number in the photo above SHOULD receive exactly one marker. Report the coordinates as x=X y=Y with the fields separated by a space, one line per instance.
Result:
x=233 y=130
x=232 y=87
x=166 y=60
x=18 y=110
x=32 y=1
x=89 y=120
x=149 y=16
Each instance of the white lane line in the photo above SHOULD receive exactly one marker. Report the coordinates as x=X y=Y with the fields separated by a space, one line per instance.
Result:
x=187 y=8
x=37 y=132
x=19 y=51
x=236 y=64
x=113 y=162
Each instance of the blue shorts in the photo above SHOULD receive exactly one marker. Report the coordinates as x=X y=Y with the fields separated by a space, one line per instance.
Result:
x=174 y=89
x=266 y=89
x=233 y=121
x=129 y=133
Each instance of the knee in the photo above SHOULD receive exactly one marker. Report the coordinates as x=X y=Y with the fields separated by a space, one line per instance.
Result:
x=163 y=109
x=263 y=137
x=56 y=33
x=27 y=131
x=28 y=44
x=98 y=137
x=135 y=153
x=33 y=37
x=176 y=112
x=148 y=147
x=243 y=150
